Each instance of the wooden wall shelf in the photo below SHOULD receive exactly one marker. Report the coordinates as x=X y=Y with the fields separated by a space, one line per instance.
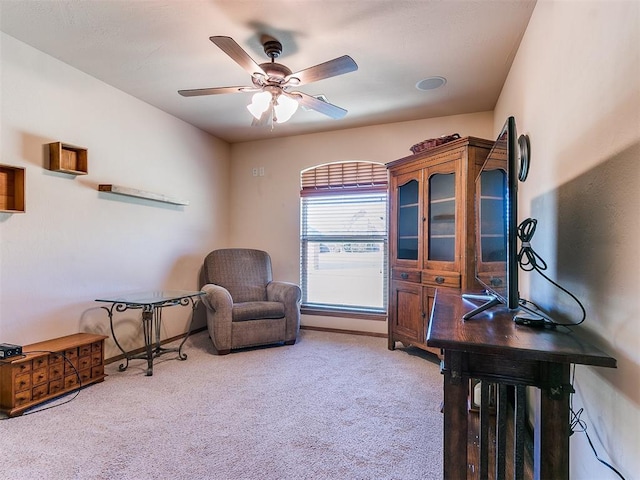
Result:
x=68 y=158
x=11 y=189
x=133 y=192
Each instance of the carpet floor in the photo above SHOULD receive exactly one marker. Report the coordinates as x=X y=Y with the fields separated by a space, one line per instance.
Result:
x=332 y=406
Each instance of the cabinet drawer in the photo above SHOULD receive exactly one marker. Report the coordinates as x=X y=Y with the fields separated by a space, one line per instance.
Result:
x=56 y=371
x=39 y=376
x=492 y=279
x=55 y=359
x=40 y=362
x=97 y=371
x=96 y=347
x=22 y=367
x=22 y=382
x=84 y=350
x=55 y=386
x=84 y=362
x=406 y=275
x=96 y=359
x=441 y=279
x=70 y=381
x=68 y=368
x=21 y=398
x=40 y=391
x=71 y=353
x=85 y=375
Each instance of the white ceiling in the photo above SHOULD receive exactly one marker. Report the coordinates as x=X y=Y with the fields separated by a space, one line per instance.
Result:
x=153 y=48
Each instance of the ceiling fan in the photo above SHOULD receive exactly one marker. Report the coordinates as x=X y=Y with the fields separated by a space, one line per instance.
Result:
x=272 y=83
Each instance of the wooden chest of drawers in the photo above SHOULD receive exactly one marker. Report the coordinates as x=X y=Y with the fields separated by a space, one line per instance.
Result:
x=49 y=369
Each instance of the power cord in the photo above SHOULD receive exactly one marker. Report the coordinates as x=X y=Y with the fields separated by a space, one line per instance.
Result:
x=75 y=391
x=577 y=425
x=529 y=260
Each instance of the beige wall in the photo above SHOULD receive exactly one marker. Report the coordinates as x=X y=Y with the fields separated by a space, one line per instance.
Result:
x=265 y=211
x=74 y=244
x=574 y=88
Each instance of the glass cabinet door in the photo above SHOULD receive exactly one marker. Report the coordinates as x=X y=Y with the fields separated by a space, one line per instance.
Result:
x=442 y=218
x=493 y=240
x=408 y=220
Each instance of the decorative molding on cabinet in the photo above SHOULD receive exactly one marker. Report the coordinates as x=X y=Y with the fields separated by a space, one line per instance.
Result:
x=133 y=192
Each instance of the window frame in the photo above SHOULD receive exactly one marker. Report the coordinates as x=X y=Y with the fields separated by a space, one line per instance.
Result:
x=337 y=179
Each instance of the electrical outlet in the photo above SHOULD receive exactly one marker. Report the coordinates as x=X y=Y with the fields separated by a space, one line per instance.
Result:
x=255 y=172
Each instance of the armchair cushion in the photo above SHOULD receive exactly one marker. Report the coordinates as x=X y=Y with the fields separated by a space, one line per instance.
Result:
x=253 y=310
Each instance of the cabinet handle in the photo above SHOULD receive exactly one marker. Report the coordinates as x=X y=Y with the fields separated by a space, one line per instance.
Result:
x=439 y=280
x=404 y=275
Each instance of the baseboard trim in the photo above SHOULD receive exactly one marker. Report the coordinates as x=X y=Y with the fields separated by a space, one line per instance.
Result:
x=348 y=332
x=302 y=327
x=142 y=349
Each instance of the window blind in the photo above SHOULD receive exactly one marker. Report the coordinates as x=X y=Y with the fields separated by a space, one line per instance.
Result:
x=344 y=176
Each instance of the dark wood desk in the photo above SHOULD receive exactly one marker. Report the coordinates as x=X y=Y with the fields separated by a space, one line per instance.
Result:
x=492 y=348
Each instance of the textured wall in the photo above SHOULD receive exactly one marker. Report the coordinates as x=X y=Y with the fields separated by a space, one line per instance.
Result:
x=574 y=88
x=75 y=244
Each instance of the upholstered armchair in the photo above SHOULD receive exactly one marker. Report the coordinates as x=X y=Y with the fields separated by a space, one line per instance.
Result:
x=245 y=307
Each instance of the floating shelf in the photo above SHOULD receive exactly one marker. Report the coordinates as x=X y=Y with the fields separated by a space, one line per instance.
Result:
x=11 y=189
x=133 y=192
x=68 y=158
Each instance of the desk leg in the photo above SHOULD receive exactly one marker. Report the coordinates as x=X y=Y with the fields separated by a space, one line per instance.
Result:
x=183 y=356
x=551 y=431
x=455 y=417
x=147 y=329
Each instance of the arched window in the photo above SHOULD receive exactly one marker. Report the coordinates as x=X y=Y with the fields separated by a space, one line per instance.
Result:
x=343 y=237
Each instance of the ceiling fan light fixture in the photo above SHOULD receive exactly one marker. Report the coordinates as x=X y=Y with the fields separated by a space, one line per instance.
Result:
x=285 y=107
x=259 y=104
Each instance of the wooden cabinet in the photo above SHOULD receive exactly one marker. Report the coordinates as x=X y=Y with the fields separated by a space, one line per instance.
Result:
x=431 y=232
x=49 y=369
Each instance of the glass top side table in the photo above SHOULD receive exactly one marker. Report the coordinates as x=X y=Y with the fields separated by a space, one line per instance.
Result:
x=151 y=303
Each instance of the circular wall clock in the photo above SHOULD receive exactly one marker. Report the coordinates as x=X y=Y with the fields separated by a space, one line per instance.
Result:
x=524 y=155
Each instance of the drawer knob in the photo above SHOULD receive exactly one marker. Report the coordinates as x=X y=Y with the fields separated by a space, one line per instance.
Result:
x=439 y=280
x=404 y=275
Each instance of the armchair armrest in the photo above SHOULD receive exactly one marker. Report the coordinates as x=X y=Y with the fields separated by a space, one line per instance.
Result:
x=284 y=292
x=219 y=305
x=291 y=296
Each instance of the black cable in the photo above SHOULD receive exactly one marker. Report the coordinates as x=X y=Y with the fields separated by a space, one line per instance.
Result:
x=577 y=425
x=75 y=391
x=529 y=260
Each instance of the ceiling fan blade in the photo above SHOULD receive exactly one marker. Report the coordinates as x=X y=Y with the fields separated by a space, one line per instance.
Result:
x=337 y=66
x=196 y=92
x=318 y=105
x=229 y=46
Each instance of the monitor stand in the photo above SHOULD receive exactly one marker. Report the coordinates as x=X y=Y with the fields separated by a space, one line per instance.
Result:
x=490 y=301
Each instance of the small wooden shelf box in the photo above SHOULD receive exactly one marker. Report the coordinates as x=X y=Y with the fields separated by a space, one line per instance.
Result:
x=68 y=158
x=11 y=189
